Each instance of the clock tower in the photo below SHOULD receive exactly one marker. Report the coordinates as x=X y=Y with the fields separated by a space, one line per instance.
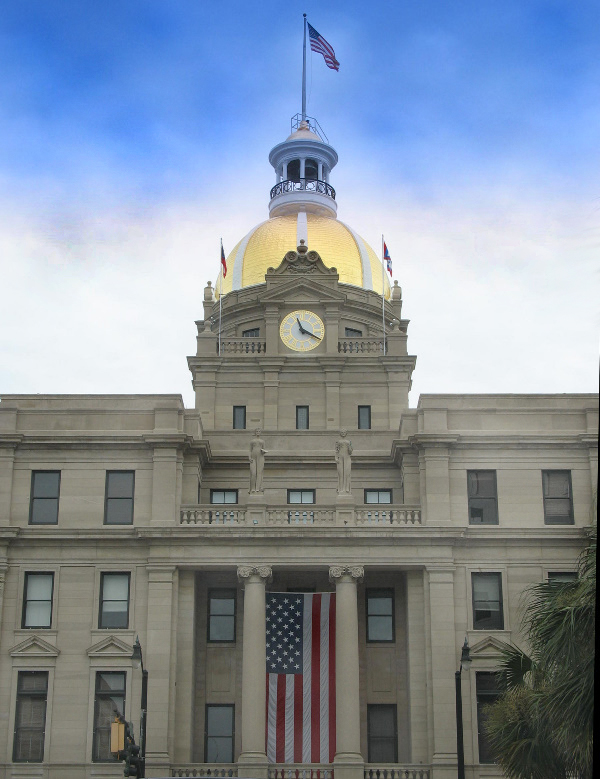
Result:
x=300 y=320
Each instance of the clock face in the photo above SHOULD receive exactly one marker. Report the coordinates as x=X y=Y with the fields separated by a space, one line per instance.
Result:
x=301 y=330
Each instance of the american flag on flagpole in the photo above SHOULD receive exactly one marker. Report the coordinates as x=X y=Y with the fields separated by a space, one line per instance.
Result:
x=300 y=677
x=321 y=46
x=387 y=258
x=223 y=262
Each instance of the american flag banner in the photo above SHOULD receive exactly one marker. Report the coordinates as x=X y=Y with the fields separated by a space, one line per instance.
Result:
x=321 y=46
x=300 y=677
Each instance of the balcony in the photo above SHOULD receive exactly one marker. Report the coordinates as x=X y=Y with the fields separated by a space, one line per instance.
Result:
x=382 y=516
x=304 y=771
x=303 y=185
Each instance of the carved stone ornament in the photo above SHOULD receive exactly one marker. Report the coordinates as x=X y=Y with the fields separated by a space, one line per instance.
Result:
x=303 y=261
x=246 y=571
x=355 y=571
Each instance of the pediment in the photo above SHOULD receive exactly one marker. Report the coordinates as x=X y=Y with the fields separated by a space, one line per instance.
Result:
x=111 y=646
x=34 y=646
x=302 y=266
x=286 y=289
x=489 y=648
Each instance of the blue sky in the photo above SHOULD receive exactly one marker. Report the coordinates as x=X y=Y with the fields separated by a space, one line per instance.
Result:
x=135 y=134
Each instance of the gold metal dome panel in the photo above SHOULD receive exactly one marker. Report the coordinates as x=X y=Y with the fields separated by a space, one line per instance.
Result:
x=339 y=246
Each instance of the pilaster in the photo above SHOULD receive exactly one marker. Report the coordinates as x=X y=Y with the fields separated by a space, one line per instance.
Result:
x=272 y=329
x=7 y=461
x=159 y=655
x=443 y=667
x=164 y=486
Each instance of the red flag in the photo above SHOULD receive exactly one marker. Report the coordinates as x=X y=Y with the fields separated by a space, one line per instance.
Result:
x=300 y=677
x=223 y=263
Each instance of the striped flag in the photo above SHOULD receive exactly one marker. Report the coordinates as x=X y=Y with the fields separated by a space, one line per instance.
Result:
x=320 y=45
x=300 y=677
x=387 y=258
x=223 y=263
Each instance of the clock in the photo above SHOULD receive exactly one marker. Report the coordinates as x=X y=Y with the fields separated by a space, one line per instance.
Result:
x=301 y=330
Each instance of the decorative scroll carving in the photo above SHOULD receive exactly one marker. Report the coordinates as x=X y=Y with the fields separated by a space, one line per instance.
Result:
x=355 y=571
x=302 y=261
x=244 y=572
x=257 y=463
x=343 y=458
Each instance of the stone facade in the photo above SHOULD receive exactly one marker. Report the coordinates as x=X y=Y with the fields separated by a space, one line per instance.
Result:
x=130 y=515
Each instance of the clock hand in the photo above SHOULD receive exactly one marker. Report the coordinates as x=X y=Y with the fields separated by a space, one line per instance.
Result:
x=318 y=337
x=302 y=330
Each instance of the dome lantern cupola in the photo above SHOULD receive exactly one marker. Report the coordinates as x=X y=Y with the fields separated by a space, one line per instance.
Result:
x=302 y=166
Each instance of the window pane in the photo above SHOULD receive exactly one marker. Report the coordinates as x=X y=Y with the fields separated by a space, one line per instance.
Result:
x=487 y=693
x=364 y=417
x=119 y=511
x=219 y=734
x=302 y=417
x=44 y=511
x=120 y=484
x=38 y=614
x=115 y=586
x=222 y=628
x=114 y=615
x=220 y=720
x=107 y=682
x=487 y=602
x=382 y=734
x=351 y=332
x=33 y=681
x=556 y=484
x=482 y=484
x=45 y=484
x=239 y=417
x=381 y=604
x=30 y=716
x=39 y=586
x=378 y=496
x=380 y=629
x=295 y=496
x=482 y=511
x=222 y=606
x=562 y=576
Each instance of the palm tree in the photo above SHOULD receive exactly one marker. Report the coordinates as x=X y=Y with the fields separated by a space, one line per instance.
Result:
x=541 y=727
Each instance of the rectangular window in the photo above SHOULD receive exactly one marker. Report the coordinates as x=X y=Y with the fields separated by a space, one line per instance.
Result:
x=118 y=502
x=239 y=417
x=253 y=332
x=110 y=699
x=483 y=497
x=562 y=576
x=301 y=417
x=300 y=496
x=30 y=717
x=114 y=600
x=487 y=601
x=380 y=615
x=221 y=615
x=45 y=489
x=558 y=499
x=223 y=496
x=37 y=600
x=487 y=692
x=364 y=417
x=378 y=496
x=352 y=332
x=382 y=733
x=219 y=733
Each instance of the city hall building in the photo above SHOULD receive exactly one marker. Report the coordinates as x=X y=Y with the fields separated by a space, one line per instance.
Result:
x=301 y=474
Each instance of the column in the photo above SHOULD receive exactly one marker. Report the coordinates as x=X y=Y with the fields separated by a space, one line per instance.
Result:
x=252 y=761
x=444 y=663
x=348 y=762
x=159 y=653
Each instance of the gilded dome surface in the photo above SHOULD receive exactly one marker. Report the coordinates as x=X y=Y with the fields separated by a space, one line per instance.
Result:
x=339 y=246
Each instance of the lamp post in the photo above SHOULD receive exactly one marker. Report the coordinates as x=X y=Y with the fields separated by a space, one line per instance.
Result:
x=138 y=662
x=465 y=663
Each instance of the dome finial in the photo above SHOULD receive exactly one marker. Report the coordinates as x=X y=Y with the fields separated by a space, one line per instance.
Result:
x=302 y=248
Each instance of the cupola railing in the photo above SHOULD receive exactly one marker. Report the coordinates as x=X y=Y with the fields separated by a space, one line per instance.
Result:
x=303 y=185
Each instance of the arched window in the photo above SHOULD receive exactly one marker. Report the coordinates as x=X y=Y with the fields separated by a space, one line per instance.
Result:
x=311 y=170
x=293 y=170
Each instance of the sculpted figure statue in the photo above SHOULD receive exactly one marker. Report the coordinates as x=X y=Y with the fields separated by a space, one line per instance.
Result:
x=257 y=462
x=343 y=455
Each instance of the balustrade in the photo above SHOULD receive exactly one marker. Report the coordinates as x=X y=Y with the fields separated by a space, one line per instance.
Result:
x=242 y=346
x=301 y=771
x=303 y=185
x=397 y=772
x=205 y=769
x=284 y=516
x=361 y=346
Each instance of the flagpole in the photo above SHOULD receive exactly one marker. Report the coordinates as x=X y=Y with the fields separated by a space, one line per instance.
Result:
x=383 y=293
x=220 y=300
x=304 y=73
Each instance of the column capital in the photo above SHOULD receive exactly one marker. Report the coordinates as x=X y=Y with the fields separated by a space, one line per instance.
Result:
x=246 y=572
x=353 y=571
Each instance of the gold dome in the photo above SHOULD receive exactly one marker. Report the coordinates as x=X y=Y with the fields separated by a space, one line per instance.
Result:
x=339 y=246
